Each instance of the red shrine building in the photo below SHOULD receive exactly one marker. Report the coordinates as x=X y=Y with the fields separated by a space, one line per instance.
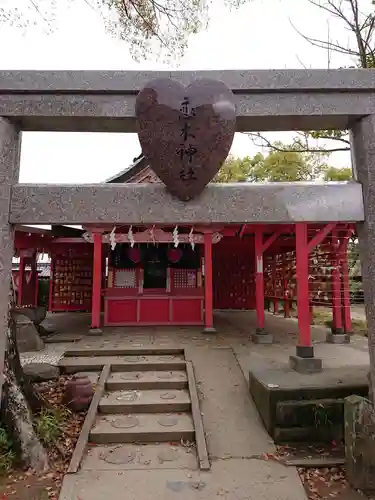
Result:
x=178 y=275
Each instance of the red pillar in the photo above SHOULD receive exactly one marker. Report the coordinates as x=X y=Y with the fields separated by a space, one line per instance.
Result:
x=345 y=284
x=336 y=287
x=34 y=270
x=259 y=278
x=51 y=280
x=208 y=295
x=285 y=284
x=275 y=299
x=96 y=282
x=304 y=347
x=21 y=279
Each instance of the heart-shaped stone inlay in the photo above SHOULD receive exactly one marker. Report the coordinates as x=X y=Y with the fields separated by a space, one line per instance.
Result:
x=119 y=455
x=185 y=132
x=168 y=396
x=168 y=421
x=133 y=358
x=128 y=396
x=126 y=422
x=168 y=455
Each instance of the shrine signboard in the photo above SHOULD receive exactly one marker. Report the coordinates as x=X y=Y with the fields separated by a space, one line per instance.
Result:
x=185 y=133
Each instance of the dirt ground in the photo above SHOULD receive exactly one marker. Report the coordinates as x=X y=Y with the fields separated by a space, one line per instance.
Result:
x=19 y=484
x=322 y=483
x=30 y=486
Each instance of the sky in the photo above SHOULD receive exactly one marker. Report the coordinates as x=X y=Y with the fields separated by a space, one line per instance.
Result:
x=259 y=35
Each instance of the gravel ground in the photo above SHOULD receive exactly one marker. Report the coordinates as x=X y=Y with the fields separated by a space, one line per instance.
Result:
x=52 y=353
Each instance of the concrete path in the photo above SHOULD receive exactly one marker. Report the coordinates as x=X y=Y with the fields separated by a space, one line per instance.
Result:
x=237 y=479
x=236 y=441
x=357 y=311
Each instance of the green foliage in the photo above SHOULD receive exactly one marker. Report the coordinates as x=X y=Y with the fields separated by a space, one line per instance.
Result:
x=338 y=174
x=321 y=417
x=339 y=136
x=288 y=166
x=48 y=425
x=353 y=253
x=7 y=455
x=236 y=169
x=280 y=166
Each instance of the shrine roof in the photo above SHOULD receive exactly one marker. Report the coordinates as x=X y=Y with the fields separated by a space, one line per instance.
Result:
x=139 y=163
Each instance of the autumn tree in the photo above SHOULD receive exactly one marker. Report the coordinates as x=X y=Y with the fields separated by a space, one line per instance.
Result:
x=157 y=27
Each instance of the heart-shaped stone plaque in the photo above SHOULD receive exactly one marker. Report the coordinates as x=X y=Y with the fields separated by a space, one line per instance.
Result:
x=185 y=132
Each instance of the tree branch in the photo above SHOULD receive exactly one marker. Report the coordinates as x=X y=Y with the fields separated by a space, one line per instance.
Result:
x=267 y=143
x=323 y=44
x=361 y=26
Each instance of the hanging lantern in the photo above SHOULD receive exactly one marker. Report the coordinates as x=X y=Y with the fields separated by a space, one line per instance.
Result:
x=134 y=255
x=191 y=238
x=112 y=238
x=131 y=237
x=176 y=239
x=174 y=255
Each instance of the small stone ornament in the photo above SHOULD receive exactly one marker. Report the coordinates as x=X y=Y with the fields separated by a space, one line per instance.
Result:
x=78 y=393
x=185 y=132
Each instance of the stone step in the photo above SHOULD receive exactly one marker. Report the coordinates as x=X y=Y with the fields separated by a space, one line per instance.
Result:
x=142 y=428
x=126 y=351
x=162 y=362
x=130 y=456
x=147 y=380
x=145 y=401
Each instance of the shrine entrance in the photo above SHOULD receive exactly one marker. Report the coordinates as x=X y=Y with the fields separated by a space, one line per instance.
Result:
x=199 y=121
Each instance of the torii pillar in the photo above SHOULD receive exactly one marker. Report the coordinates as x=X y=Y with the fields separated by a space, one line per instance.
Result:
x=363 y=160
x=10 y=148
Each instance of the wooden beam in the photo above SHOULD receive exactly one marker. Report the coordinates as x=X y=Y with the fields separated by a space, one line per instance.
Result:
x=320 y=236
x=83 y=439
x=271 y=240
x=200 y=439
x=243 y=229
x=65 y=241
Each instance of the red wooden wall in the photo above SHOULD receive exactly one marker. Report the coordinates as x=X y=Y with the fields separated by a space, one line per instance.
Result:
x=233 y=273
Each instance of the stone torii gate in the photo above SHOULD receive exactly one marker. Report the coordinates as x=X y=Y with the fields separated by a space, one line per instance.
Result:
x=103 y=101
